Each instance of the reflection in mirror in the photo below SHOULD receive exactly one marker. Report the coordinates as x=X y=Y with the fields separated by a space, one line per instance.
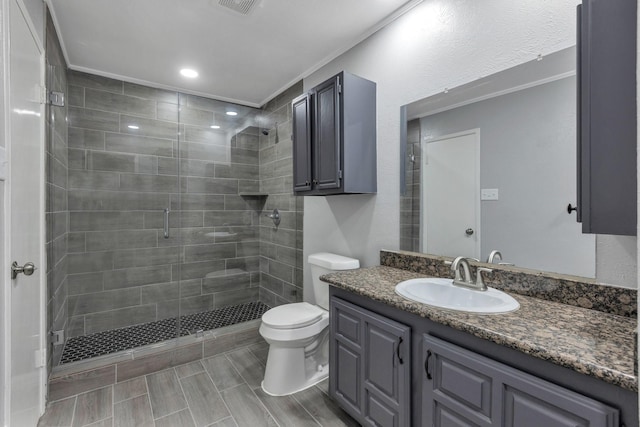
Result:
x=492 y=165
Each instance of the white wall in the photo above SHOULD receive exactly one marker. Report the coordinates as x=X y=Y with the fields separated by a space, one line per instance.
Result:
x=35 y=8
x=439 y=44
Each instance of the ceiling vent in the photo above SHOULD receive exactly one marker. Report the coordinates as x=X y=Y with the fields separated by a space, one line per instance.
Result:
x=240 y=6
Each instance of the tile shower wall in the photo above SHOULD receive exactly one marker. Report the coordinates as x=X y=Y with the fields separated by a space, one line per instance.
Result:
x=410 y=201
x=57 y=214
x=280 y=247
x=122 y=271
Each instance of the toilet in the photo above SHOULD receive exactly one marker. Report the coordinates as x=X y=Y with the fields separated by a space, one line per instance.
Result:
x=298 y=333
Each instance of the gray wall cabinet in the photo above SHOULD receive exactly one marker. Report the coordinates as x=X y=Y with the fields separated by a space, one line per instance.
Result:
x=334 y=138
x=463 y=388
x=370 y=365
x=607 y=117
x=474 y=382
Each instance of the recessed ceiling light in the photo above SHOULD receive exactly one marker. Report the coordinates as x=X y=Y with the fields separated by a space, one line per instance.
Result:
x=133 y=127
x=188 y=72
x=231 y=113
x=215 y=127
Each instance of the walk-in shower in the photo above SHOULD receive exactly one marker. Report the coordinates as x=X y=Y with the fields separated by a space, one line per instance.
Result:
x=156 y=203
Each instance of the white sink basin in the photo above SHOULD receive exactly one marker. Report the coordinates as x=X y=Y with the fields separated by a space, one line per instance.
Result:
x=442 y=293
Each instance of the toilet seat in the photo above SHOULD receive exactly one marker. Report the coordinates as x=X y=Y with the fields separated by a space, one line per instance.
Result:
x=292 y=316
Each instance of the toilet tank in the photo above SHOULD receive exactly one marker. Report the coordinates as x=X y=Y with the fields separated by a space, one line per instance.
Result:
x=325 y=263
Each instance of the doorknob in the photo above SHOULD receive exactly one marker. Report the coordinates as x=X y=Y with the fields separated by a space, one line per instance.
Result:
x=469 y=231
x=27 y=269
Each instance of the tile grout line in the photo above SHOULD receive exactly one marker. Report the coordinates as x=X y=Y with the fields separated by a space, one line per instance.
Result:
x=220 y=394
x=275 y=420
x=185 y=396
x=73 y=414
x=305 y=408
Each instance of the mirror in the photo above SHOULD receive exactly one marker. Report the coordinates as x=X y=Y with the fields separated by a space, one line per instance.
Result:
x=491 y=165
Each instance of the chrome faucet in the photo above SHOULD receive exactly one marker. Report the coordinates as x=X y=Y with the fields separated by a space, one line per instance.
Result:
x=465 y=278
x=496 y=255
x=461 y=279
x=493 y=255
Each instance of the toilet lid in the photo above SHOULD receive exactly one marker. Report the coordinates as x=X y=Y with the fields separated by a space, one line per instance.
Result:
x=297 y=315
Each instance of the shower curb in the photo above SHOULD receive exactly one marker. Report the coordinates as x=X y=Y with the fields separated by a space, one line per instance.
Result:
x=79 y=377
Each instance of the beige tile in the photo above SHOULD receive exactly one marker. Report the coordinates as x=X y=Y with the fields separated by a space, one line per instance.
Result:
x=129 y=389
x=203 y=399
x=182 y=419
x=222 y=372
x=245 y=407
x=93 y=406
x=58 y=414
x=165 y=393
x=133 y=412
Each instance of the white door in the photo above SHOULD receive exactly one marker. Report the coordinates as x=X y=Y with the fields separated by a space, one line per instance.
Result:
x=450 y=185
x=24 y=117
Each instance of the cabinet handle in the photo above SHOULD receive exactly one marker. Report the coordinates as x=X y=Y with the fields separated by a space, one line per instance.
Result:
x=426 y=365
x=398 y=351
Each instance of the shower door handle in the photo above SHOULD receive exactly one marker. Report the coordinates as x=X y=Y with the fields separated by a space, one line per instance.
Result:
x=166 y=223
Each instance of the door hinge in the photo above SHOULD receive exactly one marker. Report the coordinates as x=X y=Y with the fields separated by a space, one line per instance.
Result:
x=56 y=98
x=340 y=174
x=339 y=88
x=57 y=337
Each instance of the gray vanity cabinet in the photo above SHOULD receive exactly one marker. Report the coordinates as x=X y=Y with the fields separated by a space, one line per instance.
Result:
x=370 y=365
x=334 y=138
x=463 y=388
x=607 y=117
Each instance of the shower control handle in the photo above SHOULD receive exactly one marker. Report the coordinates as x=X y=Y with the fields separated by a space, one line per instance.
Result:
x=166 y=223
x=275 y=217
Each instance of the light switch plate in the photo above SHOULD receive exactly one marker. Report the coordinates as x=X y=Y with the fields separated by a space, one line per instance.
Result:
x=489 y=194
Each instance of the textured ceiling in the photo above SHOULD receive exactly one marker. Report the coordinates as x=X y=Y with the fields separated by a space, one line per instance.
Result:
x=241 y=58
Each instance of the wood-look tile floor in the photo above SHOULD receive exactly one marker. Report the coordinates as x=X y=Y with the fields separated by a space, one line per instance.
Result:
x=221 y=391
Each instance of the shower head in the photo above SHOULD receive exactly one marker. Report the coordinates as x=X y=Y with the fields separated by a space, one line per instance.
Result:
x=265 y=132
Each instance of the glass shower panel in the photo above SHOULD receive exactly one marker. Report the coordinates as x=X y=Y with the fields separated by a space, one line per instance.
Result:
x=163 y=200
x=220 y=207
x=123 y=149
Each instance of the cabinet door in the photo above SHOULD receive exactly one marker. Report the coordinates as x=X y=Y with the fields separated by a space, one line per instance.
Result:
x=327 y=135
x=607 y=116
x=462 y=388
x=386 y=372
x=302 y=172
x=370 y=366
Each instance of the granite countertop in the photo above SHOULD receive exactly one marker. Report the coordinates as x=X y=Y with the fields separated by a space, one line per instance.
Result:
x=588 y=341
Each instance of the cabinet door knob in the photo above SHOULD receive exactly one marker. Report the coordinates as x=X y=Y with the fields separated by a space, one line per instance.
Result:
x=571 y=209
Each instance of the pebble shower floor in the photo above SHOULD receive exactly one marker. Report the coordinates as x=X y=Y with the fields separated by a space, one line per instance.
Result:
x=107 y=342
